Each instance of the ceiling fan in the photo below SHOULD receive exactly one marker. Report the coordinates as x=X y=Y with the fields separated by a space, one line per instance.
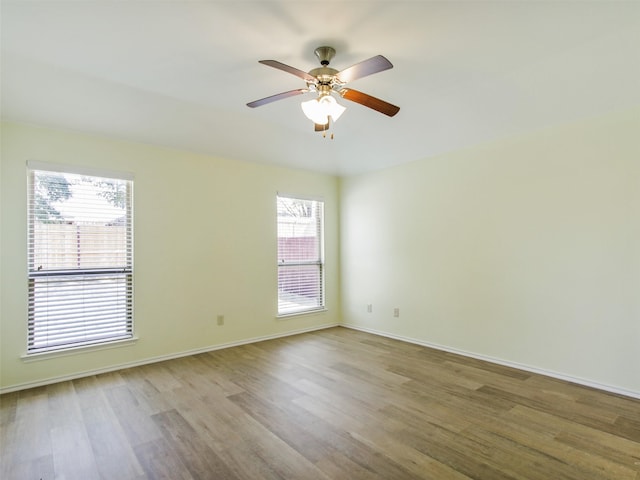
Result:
x=326 y=80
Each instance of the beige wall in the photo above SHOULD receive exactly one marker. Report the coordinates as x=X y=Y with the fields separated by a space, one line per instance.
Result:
x=526 y=251
x=205 y=244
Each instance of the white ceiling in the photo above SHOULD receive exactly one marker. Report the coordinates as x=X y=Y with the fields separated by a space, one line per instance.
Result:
x=179 y=73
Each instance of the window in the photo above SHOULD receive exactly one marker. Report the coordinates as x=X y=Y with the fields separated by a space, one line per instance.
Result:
x=80 y=259
x=300 y=255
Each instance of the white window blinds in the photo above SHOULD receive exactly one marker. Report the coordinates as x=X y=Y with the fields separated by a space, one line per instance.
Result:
x=300 y=255
x=80 y=250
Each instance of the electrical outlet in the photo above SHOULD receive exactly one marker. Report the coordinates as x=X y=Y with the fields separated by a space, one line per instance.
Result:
x=220 y=319
x=369 y=308
x=396 y=312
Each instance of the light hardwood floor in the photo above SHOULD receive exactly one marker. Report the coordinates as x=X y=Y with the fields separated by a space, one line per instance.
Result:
x=333 y=404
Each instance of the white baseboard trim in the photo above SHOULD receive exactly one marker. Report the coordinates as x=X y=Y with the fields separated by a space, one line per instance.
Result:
x=160 y=358
x=519 y=366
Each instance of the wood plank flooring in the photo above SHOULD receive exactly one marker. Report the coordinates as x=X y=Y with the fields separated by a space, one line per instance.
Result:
x=332 y=404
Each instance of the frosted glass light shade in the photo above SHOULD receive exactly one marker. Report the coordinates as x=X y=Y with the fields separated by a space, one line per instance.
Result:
x=320 y=109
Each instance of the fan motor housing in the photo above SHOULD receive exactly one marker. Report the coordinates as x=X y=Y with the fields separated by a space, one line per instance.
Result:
x=325 y=75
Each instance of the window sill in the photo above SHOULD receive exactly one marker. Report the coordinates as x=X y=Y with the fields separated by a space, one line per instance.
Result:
x=34 y=357
x=284 y=316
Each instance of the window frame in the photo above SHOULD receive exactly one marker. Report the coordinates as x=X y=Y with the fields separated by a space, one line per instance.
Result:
x=319 y=262
x=77 y=279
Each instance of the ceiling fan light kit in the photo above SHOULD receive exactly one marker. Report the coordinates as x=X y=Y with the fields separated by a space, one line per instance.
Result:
x=318 y=110
x=325 y=81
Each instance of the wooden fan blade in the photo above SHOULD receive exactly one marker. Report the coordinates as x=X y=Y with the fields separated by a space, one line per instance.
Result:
x=321 y=128
x=366 y=67
x=278 y=96
x=286 y=68
x=369 y=101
